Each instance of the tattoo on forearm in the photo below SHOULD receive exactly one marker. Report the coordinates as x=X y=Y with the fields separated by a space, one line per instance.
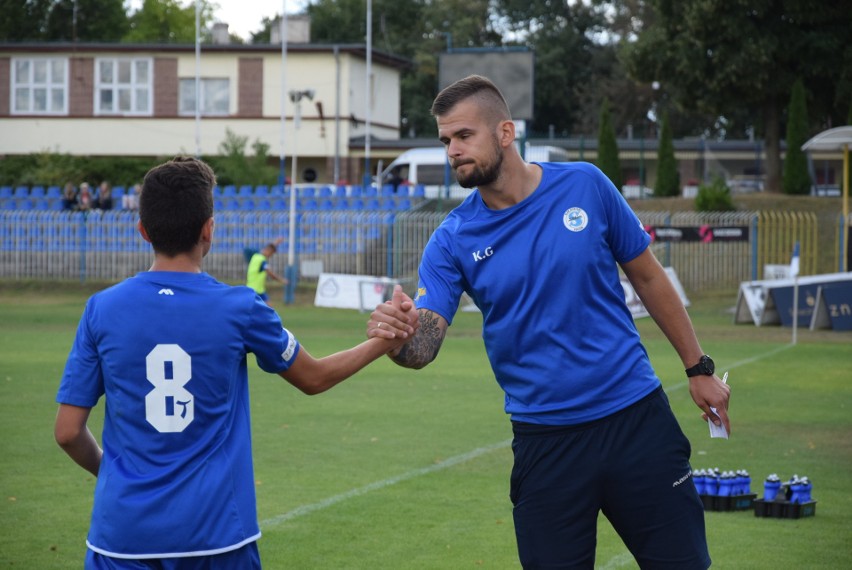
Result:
x=423 y=348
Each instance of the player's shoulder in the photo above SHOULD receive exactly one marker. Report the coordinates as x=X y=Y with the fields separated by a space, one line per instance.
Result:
x=579 y=167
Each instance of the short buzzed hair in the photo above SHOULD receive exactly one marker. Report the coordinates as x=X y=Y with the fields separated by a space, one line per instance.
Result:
x=490 y=99
x=175 y=203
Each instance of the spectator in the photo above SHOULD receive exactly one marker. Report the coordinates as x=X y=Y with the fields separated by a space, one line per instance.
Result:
x=104 y=197
x=85 y=199
x=69 y=197
x=130 y=201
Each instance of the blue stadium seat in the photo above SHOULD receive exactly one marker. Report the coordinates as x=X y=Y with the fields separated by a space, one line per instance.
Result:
x=341 y=204
x=232 y=204
x=340 y=191
x=218 y=205
x=22 y=192
x=325 y=192
x=54 y=192
x=246 y=191
x=372 y=204
x=217 y=191
x=264 y=204
x=247 y=205
x=403 y=204
x=388 y=204
x=6 y=191
x=309 y=205
x=276 y=190
x=25 y=204
x=41 y=204
x=357 y=204
x=229 y=191
x=370 y=191
x=387 y=190
x=403 y=190
x=326 y=205
x=280 y=204
x=419 y=191
x=308 y=192
x=356 y=190
x=261 y=191
x=37 y=192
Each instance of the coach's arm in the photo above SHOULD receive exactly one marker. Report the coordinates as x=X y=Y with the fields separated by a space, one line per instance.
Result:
x=662 y=301
x=386 y=321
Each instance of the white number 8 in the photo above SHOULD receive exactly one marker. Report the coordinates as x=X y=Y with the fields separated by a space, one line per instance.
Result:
x=169 y=407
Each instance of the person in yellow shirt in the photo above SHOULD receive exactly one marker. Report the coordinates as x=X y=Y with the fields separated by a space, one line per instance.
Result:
x=258 y=270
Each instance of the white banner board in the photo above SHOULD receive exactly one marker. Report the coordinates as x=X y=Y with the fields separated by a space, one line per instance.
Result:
x=634 y=303
x=361 y=292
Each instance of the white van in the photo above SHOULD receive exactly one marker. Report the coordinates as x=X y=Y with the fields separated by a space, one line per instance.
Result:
x=429 y=167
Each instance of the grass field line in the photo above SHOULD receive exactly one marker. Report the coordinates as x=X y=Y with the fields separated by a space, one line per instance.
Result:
x=452 y=461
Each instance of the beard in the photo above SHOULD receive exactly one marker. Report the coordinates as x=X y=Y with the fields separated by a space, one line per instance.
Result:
x=481 y=175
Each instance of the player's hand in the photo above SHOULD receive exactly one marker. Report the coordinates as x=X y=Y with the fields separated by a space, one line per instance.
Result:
x=394 y=319
x=710 y=391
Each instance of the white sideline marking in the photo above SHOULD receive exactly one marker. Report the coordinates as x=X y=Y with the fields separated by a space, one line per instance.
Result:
x=306 y=509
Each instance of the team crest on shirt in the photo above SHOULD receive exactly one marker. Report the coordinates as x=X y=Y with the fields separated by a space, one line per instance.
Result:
x=575 y=219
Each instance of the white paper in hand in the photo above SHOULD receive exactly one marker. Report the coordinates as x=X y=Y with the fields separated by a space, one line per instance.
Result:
x=718 y=431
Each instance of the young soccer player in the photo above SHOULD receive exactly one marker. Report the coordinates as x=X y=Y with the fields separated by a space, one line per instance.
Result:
x=168 y=349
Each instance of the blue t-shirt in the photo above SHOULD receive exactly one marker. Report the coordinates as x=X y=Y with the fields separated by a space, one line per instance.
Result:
x=560 y=338
x=168 y=350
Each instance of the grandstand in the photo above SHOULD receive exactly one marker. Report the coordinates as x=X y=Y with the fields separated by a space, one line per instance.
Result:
x=246 y=198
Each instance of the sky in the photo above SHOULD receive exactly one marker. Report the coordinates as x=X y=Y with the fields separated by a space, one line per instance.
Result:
x=243 y=16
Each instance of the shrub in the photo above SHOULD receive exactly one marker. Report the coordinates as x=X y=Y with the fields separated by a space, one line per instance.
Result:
x=714 y=197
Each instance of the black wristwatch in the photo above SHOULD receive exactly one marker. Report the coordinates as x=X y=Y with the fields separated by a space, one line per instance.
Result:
x=705 y=367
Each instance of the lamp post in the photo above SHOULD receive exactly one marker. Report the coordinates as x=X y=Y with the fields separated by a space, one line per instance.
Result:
x=292 y=275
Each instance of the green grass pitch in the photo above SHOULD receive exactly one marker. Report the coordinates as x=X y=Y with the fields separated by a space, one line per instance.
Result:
x=409 y=469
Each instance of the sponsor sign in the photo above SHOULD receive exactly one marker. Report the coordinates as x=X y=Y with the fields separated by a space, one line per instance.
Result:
x=704 y=234
x=361 y=292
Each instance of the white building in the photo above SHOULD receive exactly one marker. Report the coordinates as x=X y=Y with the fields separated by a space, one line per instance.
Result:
x=139 y=100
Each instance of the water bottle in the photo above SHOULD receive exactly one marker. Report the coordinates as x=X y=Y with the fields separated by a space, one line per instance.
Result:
x=771 y=487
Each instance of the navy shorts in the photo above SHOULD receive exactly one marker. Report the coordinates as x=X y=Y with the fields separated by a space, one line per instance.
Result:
x=246 y=557
x=633 y=466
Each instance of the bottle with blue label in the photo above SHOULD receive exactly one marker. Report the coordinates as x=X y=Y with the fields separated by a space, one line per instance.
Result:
x=771 y=487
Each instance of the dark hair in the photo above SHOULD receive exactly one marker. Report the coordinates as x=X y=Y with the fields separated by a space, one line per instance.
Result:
x=175 y=203
x=490 y=98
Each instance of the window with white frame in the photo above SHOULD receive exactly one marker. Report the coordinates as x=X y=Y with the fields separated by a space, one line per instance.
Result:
x=40 y=86
x=215 y=96
x=123 y=86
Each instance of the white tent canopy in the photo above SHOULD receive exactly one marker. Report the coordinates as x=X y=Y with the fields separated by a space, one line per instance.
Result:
x=838 y=138
x=832 y=139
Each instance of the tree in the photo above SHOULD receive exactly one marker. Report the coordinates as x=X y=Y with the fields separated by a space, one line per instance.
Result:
x=63 y=20
x=608 y=160
x=720 y=57
x=668 y=177
x=797 y=180
x=166 y=21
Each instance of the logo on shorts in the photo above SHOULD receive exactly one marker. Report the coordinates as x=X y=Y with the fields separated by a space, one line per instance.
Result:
x=682 y=479
x=575 y=219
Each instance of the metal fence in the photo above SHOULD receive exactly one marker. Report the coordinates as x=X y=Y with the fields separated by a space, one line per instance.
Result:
x=105 y=246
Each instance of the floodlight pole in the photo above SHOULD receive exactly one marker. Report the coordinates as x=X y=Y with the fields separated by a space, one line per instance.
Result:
x=292 y=275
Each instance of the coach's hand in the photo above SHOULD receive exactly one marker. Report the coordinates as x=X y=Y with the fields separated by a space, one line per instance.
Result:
x=395 y=318
x=710 y=391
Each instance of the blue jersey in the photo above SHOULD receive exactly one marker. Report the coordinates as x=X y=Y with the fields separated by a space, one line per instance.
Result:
x=168 y=351
x=560 y=338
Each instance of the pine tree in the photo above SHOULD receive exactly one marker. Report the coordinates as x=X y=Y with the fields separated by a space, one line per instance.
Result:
x=668 y=177
x=797 y=180
x=608 y=160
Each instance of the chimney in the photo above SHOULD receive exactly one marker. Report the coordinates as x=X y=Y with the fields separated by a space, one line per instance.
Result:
x=220 y=34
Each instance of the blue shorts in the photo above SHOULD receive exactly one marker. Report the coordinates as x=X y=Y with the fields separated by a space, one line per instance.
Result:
x=244 y=557
x=633 y=466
